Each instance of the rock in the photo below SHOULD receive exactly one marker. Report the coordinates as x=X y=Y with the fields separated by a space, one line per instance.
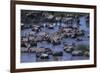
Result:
x=23 y=44
x=79 y=39
x=24 y=50
x=56 y=42
x=44 y=56
x=58 y=54
x=77 y=53
x=38 y=55
x=48 y=51
x=33 y=44
x=68 y=48
x=50 y=26
x=86 y=53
